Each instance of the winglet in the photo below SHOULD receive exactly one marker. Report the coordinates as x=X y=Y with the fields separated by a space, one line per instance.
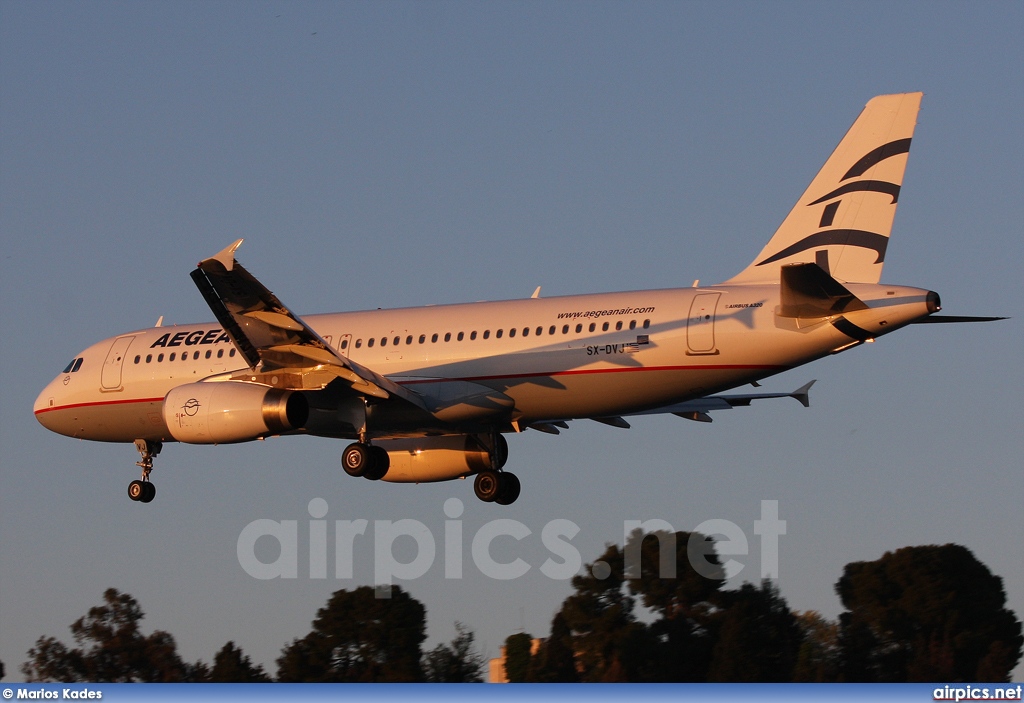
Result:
x=226 y=256
x=802 y=395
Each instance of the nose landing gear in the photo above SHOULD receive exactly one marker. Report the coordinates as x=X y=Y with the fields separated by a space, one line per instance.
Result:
x=142 y=490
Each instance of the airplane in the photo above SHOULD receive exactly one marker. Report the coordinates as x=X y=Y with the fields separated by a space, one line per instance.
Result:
x=428 y=393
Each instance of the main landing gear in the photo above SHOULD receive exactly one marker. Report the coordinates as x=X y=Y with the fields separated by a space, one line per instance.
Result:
x=494 y=485
x=368 y=461
x=143 y=491
x=499 y=487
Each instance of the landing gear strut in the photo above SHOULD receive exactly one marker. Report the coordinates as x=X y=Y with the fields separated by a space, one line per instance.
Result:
x=143 y=491
x=362 y=459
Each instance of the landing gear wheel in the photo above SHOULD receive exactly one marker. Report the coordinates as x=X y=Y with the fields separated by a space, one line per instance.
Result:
x=487 y=485
x=508 y=488
x=137 y=490
x=148 y=493
x=357 y=459
x=381 y=462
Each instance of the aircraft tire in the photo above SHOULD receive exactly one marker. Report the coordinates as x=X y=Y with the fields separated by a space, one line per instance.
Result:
x=148 y=493
x=487 y=485
x=137 y=490
x=508 y=488
x=381 y=464
x=357 y=459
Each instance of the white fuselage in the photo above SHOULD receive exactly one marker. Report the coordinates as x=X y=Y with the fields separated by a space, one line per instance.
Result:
x=558 y=358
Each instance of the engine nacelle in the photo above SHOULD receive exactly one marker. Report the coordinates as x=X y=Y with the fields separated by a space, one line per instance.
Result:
x=429 y=459
x=231 y=411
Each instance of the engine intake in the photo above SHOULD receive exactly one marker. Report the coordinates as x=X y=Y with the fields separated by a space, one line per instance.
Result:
x=231 y=411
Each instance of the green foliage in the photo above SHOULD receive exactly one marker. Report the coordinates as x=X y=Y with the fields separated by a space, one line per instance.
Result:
x=111 y=649
x=358 y=637
x=758 y=638
x=231 y=665
x=517 y=657
x=930 y=613
x=555 y=661
x=458 y=662
x=818 y=660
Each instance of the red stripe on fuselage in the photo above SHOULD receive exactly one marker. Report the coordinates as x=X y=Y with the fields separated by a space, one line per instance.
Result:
x=99 y=403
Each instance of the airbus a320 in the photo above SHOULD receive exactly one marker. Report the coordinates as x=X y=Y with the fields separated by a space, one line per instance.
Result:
x=429 y=393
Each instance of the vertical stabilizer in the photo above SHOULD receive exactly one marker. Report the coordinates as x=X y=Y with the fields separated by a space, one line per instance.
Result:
x=843 y=220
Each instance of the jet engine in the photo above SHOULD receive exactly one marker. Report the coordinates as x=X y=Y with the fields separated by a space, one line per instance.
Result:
x=231 y=411
x=429 y=459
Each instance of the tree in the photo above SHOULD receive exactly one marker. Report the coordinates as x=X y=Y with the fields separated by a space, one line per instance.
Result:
x=818 y=660
x=118 y=652
x=758 y=637
x=458 y=662
x=231 y=665
x=669 y=583
x=358 y=637
x=929 y=613
x=517 y=657
x=555 y=661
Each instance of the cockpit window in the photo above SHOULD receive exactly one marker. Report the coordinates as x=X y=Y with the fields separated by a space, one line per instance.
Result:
x=78 y=365
x=67 y=369
x=74 y=365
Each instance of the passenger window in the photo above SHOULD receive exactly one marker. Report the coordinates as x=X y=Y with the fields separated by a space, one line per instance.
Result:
x=498 y=334
x=472 y=335
x=565 y=329
x=396 y=341
x=512 y=332
x=159 y=357
x=526 y=331
x=370 y=342
x=423 y=338
x=231 y=353
x=604 y=327
x=408 y=340
x=433 y=338
x=551 y=330
x=487 y=334
x=647 y=323
x=618 y=325
x=344 y=344
x=208 y=353
x=383 y=341
x=447 y=336
x=461 y=335
x=138 y=359
x=540 y=331
x=579 y=328
x=220 y=354
x=149 y=357
x=359 y=344
x=173 y=356
x=195 y=356
x=593 y=326
x=632 y=324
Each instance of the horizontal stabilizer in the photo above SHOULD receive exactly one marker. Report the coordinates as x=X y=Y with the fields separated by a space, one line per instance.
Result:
x=698 y=408
x=808 y=291
x=934 y=319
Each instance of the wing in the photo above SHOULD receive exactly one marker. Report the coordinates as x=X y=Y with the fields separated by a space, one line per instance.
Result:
x=274 y=340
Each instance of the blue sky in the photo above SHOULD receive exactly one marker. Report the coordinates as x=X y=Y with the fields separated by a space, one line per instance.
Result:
x=394 y=154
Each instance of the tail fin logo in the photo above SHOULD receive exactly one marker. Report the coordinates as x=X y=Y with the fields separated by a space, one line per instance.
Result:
x=850 y=237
